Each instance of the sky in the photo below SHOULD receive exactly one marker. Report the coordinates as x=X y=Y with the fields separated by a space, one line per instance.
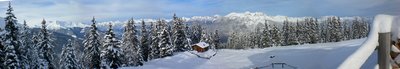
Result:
x=110 y=10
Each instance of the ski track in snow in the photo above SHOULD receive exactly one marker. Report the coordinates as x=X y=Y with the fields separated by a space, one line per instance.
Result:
x=307 y=56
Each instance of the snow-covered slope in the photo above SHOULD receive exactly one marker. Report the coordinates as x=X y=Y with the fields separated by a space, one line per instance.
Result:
x=312 y=56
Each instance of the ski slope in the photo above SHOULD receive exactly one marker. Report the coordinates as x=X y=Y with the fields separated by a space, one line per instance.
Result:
x=308 y=56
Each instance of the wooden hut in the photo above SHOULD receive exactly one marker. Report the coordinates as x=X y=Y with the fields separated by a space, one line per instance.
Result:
x=200 y=47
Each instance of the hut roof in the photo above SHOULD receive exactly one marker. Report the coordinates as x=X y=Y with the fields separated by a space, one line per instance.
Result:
x=202 y=44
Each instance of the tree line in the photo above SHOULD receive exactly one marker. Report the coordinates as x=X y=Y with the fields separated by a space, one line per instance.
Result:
x=307 y=31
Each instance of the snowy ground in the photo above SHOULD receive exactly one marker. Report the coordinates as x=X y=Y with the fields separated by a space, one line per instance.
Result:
x=309 y=56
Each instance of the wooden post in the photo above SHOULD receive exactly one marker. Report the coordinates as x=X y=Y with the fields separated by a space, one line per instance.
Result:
x=384 y=51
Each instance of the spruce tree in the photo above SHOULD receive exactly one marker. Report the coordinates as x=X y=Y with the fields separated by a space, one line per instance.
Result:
x=131 y=45
x=13 y=53
x=68 y=57
x=276 y=40
x=216 y=40
x=314 y=30
x=112 y=56
x=179 y=35
x=266 y=40
x=92 y=48
x=27 y=46
x=34 y=52
x=145 y=42
x=164 y=44
x=286 y=32
x=188 y=34
x=45 y=48
x=154 y=49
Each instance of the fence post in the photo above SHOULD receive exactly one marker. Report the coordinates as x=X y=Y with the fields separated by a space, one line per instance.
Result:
x=384 y=50
x=385 y=24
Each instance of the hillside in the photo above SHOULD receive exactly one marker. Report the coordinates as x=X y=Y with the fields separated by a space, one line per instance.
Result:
x=309 y=56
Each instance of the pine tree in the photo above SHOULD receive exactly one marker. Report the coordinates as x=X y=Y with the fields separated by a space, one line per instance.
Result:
x=26 y=47
x=45 y=49
x=266 y=40
x=336 y=29
x=131 y=45
x=112 y=55
x=364 y=28
x=13 y=53
x=216 y=40
x=68 y=57
x=154 y=52
x=286 y=32
x=314 y=30
x=34 y=52
x=145 y=41
x=197 y=31
x=232 y=41
x=204 y=37
x=179 y=34
x=92 y=48
x=257 y=37
x=276 y=40
x=188 y=35
x=292 y=36
x=164 y=44
x=2 y=53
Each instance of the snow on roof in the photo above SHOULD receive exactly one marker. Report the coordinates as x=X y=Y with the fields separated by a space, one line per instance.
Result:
x=201 y=44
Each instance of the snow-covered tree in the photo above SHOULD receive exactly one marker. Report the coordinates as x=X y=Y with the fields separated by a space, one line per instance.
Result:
x=13 y=53
x=286 y=31
x=324 y=32
x=145 y=42
x=266 y=40
x=45 y=48
x=27 y=46
x=179 y=40
x=154 y=49
x=34 y=52
x=364 y=28
x=92 y=47
x=300 y=31
x=336 y=29
x=188 y=34
x=131 y=45
x=197 y=31
x=275 y=36
x=112 y=56
x=292 y=36
x=68 y=57
x=164 y=44
x=216 y=40
x=204 y=37
x=231 y=40
x=346 y=32
x=2 y=48
x=313 y=31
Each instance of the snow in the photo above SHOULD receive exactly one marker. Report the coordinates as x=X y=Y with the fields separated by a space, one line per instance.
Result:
x=384 y=21
x=308 y=56
x=357 y=59
x=395 y=49
x=202 y=44
x=206 y=55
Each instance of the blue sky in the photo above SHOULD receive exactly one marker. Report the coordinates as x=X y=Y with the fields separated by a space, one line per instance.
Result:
x=105 y=10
